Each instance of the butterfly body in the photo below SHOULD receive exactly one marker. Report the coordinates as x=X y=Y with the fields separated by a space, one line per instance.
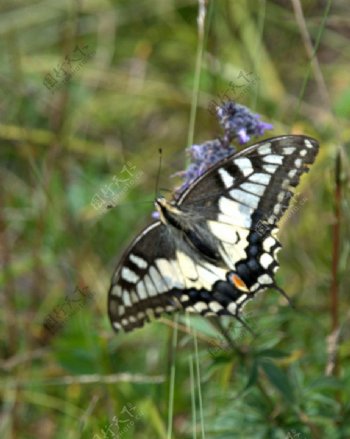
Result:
x=216 y=246
x=188 y=226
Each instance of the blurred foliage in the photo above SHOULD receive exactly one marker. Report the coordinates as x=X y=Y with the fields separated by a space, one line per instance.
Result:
x=64 y=139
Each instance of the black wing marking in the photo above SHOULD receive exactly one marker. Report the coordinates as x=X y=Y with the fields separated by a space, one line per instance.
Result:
x=161 y=273
x=134 y=295
x=242 y=199
x=275 y=164
x=165 y=269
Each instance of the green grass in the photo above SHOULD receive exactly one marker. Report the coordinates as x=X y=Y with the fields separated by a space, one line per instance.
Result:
x=148 y=85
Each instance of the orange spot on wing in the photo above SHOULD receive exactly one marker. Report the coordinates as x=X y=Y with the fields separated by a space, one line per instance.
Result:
x=238 y=283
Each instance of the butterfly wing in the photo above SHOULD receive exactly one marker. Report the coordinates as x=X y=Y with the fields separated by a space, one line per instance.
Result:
x=156 y=275
x=242 y=199
x=137 y=288
x=228 y=252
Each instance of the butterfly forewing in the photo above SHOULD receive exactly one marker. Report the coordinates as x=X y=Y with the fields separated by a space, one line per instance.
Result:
x=224 y=249
x=260 y=179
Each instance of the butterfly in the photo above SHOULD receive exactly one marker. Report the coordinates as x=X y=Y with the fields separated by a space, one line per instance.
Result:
x=216 y=246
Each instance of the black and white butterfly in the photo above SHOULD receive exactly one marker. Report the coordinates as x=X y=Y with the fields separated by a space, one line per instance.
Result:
x=215 y=247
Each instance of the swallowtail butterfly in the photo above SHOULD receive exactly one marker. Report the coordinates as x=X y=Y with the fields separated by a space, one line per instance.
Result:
x=216 y=246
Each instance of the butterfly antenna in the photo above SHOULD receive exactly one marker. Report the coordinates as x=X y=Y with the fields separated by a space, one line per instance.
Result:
x=158 y=173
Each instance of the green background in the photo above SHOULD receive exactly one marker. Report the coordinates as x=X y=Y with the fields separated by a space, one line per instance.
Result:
x=143 y=76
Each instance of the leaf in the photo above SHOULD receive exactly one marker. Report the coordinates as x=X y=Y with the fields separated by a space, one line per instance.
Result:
x=325 y=382
x=278 y=379
x=156 y=420
x=272 y=353
x=253 y=376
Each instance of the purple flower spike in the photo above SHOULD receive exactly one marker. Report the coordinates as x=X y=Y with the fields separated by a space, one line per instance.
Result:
x=239 y=122
x=243 y=136
x=196 y=152
x=203 y=157
x=262 y=127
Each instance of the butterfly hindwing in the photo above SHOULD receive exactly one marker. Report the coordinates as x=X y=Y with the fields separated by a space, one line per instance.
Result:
x=157 y=276
x=217 y=246
x=138 y=286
